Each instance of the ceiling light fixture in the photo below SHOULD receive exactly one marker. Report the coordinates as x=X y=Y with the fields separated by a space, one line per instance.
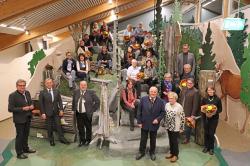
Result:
x=27 y=32
x=207 y=3
x=17 y=28
x=110 y=1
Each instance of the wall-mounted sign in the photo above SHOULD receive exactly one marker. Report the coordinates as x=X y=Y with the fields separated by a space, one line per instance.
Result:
x=235 y=24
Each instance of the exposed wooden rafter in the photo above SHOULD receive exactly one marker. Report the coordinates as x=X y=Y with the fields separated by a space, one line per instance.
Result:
x=14 y=8
x=9 y=41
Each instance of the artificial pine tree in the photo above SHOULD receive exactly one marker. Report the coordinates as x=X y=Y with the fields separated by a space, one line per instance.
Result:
x=162 y=65
x=158 y=24
x=207 y=60
x=245 y=76
x=177 y=15
x=236 y=41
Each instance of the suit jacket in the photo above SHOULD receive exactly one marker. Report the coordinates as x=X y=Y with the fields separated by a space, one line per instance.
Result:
x=190 y=60
x=47 y=106
x=191 y=102
x=65 y=64
x=92 y=102
x=147 y=112
x=16 y=103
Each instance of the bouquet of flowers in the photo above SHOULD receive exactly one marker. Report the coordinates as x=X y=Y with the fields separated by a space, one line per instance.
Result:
x=140 y=75
x=190 y=122
x=209 y=109
x=183 y=83
x=126 y=38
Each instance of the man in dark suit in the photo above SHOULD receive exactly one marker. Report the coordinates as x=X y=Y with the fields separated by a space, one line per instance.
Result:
x=150 y=112
x=183 y=58
x=85 y=103
x=52 y=109
x=20 y=104
x=189 y=99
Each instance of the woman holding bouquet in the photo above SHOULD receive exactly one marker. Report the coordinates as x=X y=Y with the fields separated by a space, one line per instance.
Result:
x=210 y=109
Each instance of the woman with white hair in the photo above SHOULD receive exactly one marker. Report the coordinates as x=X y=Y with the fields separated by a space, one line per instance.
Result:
x=174 y=120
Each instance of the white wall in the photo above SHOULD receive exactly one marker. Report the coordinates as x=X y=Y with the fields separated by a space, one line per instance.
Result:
x=11 y=53
x=17 y=67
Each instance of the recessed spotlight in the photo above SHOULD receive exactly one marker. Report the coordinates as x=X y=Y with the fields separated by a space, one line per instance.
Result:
x=110 y=1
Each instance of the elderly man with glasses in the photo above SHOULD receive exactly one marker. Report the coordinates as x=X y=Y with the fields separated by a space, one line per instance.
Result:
x=21 y=105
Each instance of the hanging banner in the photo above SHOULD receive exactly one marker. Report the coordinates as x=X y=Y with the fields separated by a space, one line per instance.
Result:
x=233 y=24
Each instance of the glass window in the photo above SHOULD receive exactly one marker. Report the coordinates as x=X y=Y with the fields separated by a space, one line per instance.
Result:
x=235 y=4
x=189 y=16
x=210 y=9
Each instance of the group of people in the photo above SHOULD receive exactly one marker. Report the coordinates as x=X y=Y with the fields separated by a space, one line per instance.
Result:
x=85 y=102
x=178 y=103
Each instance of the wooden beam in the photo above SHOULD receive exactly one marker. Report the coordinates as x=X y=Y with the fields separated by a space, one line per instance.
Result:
x=198 y=12
x=14 y=8
x=58 y=24
x=225 y=9
x=130 y=12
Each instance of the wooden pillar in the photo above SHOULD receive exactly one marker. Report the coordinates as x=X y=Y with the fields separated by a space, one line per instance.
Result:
x=225 y=8
x=225 y=11
x=198 y=12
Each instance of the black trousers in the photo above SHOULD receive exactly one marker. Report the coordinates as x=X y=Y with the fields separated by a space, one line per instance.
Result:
x=144 y=138
x=54 y=122
x=210 y=126
x=22 y=134
x=132 y=113
x=173 y=142
x=137 y=85
x=84 y=125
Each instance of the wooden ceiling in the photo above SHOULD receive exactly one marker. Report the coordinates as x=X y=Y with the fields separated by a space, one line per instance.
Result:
x=43 y=17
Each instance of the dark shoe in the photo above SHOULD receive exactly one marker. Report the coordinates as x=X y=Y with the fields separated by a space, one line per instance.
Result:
x=87 y=143
x=29 y=151
x=22 y=156
x=64 y=141
x=52 y=143
x=81 y=143
x=169 y=156
x=186 y=141
x=139 y=156
x=205 y=150
x=173 y=159
x=152 y=156
x=211 y=152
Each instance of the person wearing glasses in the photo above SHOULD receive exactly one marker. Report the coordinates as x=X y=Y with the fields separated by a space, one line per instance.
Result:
x=189 y=99
x=21 y=105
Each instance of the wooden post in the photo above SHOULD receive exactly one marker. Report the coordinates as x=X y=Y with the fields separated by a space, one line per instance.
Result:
x=206 y=77
x=225 y=11
x=198 y=12
x=103 y=131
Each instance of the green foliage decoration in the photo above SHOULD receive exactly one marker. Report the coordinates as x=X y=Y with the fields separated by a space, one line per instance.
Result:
x=245 y=76
x=37 y=56
x=207 y=60
x=236 y=41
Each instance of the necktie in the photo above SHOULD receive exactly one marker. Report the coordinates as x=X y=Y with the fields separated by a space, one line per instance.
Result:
x=25 y=98
x=80 y=102
x=51 y=94
x=152 y=100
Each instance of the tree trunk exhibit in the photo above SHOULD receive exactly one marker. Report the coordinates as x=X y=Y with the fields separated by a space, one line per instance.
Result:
x=206 y=78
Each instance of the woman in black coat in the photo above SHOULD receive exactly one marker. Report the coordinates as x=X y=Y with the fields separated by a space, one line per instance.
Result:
x=210 y=119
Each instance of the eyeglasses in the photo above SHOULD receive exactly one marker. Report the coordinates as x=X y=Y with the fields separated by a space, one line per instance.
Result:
x=21 y=85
